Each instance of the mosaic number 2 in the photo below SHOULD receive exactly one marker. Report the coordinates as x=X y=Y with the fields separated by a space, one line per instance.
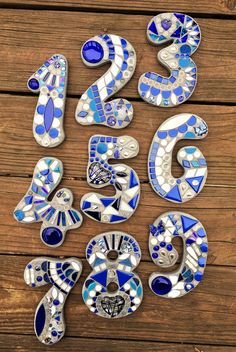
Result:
x=50 y=81
x=49 y=321
x=191 y=270
x=57 y=215
x=92 y=108
x=185 y=33
x=100 y=174
x=128 y=293
x=178 y=190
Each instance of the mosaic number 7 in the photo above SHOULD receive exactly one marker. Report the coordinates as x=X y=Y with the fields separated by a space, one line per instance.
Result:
x=92 y=108
x=123 y=178
x=49 y=321
x=185 y=33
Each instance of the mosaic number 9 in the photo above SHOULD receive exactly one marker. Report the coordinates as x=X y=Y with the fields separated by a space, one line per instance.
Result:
x=182 y=189
x=50 y=81
x=49 y=321
x=92 y=108
x=185 y=33
x=128 y=293
x=195 y=247
x=100 y=174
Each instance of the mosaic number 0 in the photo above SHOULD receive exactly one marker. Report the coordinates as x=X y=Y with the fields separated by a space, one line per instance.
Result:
x=100 y=173
x=185 y=33
x=128 y=294
x=50 y=81
x=49 y=321
x=191 y=270
x=57 y=215
x=92 y=108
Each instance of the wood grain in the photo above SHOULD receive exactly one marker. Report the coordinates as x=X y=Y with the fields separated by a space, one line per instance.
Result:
x=25 y=33
x=211 y=7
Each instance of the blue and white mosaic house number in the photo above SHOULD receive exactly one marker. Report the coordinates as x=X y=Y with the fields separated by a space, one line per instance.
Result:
x=123 y=178
x=185 y=35
x=57 y=216
x=50 y=81
x=113 y=290
x=49 y=323
x=182 y=189
x=93 y=107
x=195 y=248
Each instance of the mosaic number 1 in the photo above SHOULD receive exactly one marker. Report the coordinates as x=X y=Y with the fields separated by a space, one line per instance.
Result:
x=191 y=270
x=127 y=294
x=92 y=108
x=50 y=81
x=185 y=34
x=123 y=178
x=49 y=321
x=57 y=215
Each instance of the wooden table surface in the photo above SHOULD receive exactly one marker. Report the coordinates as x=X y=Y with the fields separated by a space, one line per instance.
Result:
x=30 y=32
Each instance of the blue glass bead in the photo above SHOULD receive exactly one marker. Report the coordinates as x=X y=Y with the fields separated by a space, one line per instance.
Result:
x=161 y=285
x=154 y=255
x=33 y=84
x=92 y=52
x=52 y=236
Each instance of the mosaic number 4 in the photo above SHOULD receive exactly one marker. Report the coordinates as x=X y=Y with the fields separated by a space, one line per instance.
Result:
x=49 y=321
x=92 y=108
x=195 y=247
x=185 y=34
x=123 y=178
x=182 y=189
x=57 y=215
x=50 y=81
x=127 y=294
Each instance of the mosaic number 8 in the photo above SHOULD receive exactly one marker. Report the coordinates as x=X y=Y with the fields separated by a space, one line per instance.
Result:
x=119 y=272
x=185 y=33
x=191 y=270
x=49 y=321
x=92 y=107
x=100 y=174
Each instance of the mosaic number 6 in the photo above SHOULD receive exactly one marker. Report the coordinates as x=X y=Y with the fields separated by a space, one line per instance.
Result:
x=128 y=293
x=185 y=33
x=92 y=107
x=57 y=215
x=182 y=189
x=191 y=270
x=100 y=174
x=50 y=81
x=49 y=321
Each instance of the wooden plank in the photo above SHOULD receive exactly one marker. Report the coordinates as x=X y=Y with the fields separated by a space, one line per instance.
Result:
x=219 y=222
x=26 y=343
x=205 y=316
x=211 y=7
x=25 y=44
x=219 y=147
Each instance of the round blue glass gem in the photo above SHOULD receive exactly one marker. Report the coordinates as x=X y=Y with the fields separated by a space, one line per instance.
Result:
x=53 y=133
x=166 y=24
x=92 y=52
x=19 y=215
x=52 y=236
x=102 y=148
x=33 y=84
x=161 y=285
x=39 y=129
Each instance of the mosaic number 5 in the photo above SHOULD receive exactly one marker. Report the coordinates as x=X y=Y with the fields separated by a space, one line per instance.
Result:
x=185 y=33
x=182 y=189
x=57 y=215
x=113 y=290
x=50 y=81
x=191 y=270
x=92 y=108
x=49 y=321
x=100 y=174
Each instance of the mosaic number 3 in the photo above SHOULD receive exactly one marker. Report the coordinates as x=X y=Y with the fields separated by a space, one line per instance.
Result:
x=182 y=189
x=50 y=81
x=57 y=215
x=92 y=108
x=113 y=290
x=195 y=247
x=185 y=34
x=100 y=174
x=49 y=321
